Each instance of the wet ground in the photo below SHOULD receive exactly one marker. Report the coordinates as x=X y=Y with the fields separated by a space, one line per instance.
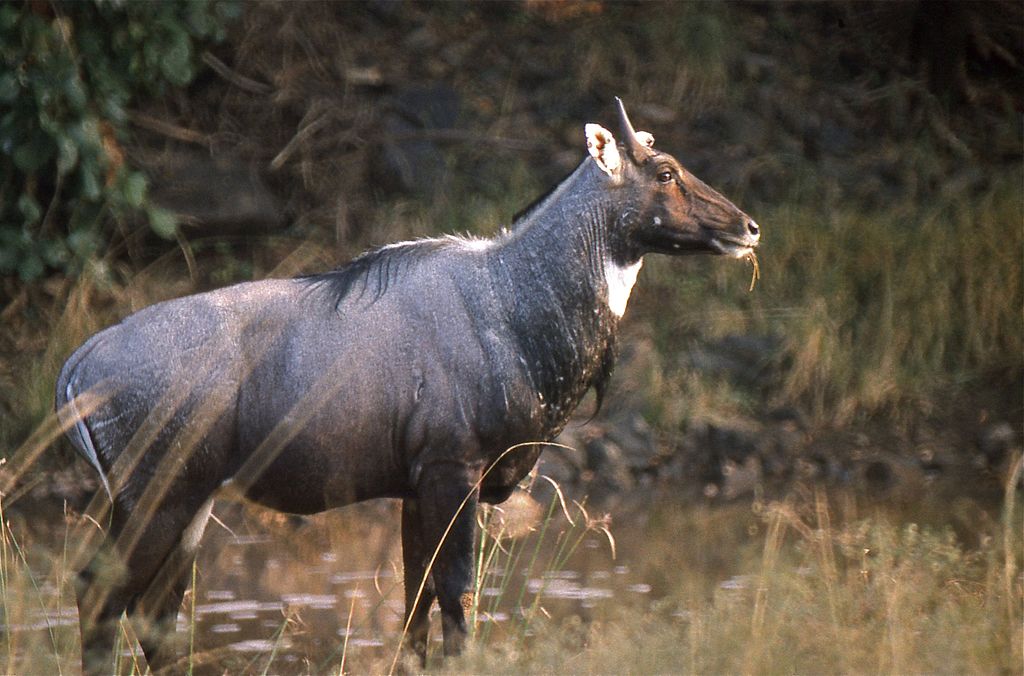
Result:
x=298 y=595
x=333 y=584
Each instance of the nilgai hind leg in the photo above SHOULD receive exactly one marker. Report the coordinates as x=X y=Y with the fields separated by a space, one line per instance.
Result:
x=145 y=572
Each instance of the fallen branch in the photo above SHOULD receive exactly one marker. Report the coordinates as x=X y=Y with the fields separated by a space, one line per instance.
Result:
x=167 y=129
x=237 y=79
x=303 y=134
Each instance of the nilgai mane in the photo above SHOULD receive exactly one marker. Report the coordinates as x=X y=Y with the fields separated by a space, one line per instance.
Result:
x=405 y=374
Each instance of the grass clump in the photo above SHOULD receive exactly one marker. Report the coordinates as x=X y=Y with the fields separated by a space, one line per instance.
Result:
x=876 y=311
x=810 y=583
x=871 y=595
x=898 y=303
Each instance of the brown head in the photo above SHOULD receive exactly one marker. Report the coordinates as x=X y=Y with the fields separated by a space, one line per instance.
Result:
x=670 y=210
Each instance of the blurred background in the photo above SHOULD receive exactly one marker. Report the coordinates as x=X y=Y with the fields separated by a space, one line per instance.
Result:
x=149 y=150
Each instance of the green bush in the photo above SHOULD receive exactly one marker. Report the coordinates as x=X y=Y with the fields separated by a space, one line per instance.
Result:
x=68 y=72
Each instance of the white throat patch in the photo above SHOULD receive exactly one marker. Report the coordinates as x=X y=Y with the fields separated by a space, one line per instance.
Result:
x=620 y=282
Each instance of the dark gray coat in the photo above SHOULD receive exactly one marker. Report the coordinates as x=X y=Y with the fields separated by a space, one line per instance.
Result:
x=407 y=373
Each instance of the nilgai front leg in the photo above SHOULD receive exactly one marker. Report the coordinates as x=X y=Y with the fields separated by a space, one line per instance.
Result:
x=415 y=557
x=444 y=512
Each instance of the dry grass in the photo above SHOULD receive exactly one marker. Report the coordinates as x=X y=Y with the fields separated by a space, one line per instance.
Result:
x=882 y=306
x=812 y=583
x=865 y=596
x=878 y=311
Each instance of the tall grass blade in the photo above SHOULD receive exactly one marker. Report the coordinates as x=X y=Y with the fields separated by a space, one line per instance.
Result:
x=1010 y=568
x=192 y=622
x=348 y=632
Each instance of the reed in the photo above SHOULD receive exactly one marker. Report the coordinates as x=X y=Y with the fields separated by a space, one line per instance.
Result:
x=879 y=312
x=866 y=595
x=807 y=587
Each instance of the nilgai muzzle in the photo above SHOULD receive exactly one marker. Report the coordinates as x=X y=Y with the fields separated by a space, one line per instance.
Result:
x=404 y=374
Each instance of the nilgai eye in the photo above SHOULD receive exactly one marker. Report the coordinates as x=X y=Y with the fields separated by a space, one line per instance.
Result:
x=666 y=177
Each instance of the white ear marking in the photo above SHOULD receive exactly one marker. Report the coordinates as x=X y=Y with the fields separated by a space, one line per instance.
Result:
x=601 y=145
x=646 y=138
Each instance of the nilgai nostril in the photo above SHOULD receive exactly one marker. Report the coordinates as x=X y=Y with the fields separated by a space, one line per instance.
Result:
x=424 y=370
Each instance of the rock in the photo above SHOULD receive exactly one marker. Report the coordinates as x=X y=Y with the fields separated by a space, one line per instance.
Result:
x=561 y=465
x=608 y=465
x=409 y=160
x=726 y=461
x=211 y=194
x=877 y=476
x=740 y=479
x=995 y=440
x=634 y=436
x=741 y=358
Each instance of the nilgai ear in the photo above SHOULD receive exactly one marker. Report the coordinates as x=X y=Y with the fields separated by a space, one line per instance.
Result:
x=646 y=138
x=601 y=145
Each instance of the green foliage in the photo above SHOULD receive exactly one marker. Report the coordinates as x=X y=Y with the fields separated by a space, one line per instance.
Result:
x=68 y=72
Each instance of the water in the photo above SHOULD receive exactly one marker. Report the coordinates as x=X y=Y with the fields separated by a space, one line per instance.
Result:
x=329 y=583
x=290 y=595
x=297 y=593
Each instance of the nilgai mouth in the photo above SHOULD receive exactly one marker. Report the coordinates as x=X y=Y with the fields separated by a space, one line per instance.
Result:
x=734 y=248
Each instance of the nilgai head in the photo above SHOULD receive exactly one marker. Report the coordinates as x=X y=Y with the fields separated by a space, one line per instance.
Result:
x=670 y=210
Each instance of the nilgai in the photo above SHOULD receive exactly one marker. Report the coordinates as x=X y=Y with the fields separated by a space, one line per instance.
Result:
x=405 y=374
